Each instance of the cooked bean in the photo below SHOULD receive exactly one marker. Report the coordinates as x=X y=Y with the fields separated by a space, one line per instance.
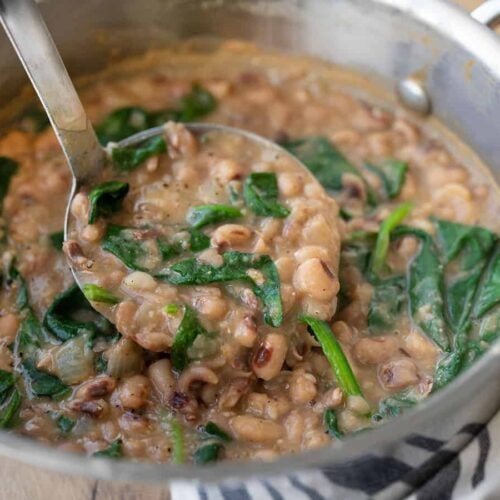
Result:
x=303 y=387
x=398 y=374
x=134 y=392
x=314 y=278
x=231 y=235
x=196 y=374
x=163 y=380
x=372 y=351
x=8 y=326
x=255 y=430
x=269 y=356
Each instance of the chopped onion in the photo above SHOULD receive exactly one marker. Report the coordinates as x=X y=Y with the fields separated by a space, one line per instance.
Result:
x=124 y=358
x=74 y=360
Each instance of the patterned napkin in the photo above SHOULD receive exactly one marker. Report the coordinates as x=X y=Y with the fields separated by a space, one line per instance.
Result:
x=423 y=467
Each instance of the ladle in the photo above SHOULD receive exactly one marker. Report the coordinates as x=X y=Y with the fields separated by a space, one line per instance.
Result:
x=30 y=37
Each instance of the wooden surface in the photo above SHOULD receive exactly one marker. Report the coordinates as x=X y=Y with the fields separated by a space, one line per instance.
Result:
x=23 y=482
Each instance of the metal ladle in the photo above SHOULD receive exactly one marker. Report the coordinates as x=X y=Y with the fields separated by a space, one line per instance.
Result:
x=28 y=33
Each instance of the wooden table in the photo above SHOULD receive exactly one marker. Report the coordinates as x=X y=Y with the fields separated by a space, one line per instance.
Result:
x=24 y=482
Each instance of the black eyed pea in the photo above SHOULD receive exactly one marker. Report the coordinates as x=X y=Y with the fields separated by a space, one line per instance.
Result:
x=255 y=430
x=134 y=392
x=269 y=356
x=162 y=377
x=314 y=278
x=231 y=235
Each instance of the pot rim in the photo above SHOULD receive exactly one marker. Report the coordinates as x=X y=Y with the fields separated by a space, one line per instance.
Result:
x=457 y=25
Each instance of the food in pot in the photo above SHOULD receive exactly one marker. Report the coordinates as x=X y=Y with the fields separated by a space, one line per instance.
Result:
x=252 y=315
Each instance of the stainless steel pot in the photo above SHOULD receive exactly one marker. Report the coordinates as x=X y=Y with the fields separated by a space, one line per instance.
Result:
x=456 y=59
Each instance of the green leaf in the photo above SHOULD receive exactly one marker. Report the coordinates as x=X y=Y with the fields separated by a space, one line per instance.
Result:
x=260 y=193
x=178 y=441
x=465 y=251
x=126 y=159
x=9 y=409
x=132 y=246
x=489 y=293
x=384 y=236
x=394 y=406
x=258 y=271
x=425 y=288
x=326 y=163
x=203 y=215
x=7 y=380
x=172 y=308
x=198 y=103
x=198 y=241
x=127 y=121
x=334 y=354
x=8 y=168
x=392 y=173
x=207 y=453
x=96 y=293
x=187 y=332
x=331 y=424
x=13 y=280
x=106 y=198
x=70 y=315
x=43 y=384
x=214 y=430
x=57 y=240
x=65 y=424
x=29 y=336
x=387 y=304
x=114 y=451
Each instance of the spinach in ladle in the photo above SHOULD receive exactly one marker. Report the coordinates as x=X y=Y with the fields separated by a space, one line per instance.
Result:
x=132 y=246
x=106 y=198
x=128 y=158
x=258 y=271
x=202 y=215
x=187 y=332
x=260 y=193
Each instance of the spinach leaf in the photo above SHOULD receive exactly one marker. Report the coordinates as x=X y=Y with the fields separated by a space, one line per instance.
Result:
x=126 y=159
x=257 y=270
x=384 y=236
x=465 y=251
x=331 y=424
x=187 y=332
x=130 y=120
x=13 y=281
x=34 y=120
x=203 y=215
x=425 y=289
x=489 y=293
x=114 y=451
x=260 y=193
x=106 y=198
x=326 y=163
x=132 y=247
x=335 y=355
x=9 y=407
x=394 y=406
x=392 y=173
x=214 y=430
x=198 y=241
x=8 y=168
x=29 y=336
x=97 y=293
x=57 y=240
x=387 y=303
x=71 y=315
x=43 y=384
x=6 y=382
x=65 y=424
x=178 y=441
x=198 y=103
x=207 y=453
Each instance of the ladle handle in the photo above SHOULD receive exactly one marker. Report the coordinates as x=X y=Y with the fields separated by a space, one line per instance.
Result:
x=35 y=48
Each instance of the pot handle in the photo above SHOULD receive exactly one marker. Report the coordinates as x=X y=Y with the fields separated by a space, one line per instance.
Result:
x=488 y=13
